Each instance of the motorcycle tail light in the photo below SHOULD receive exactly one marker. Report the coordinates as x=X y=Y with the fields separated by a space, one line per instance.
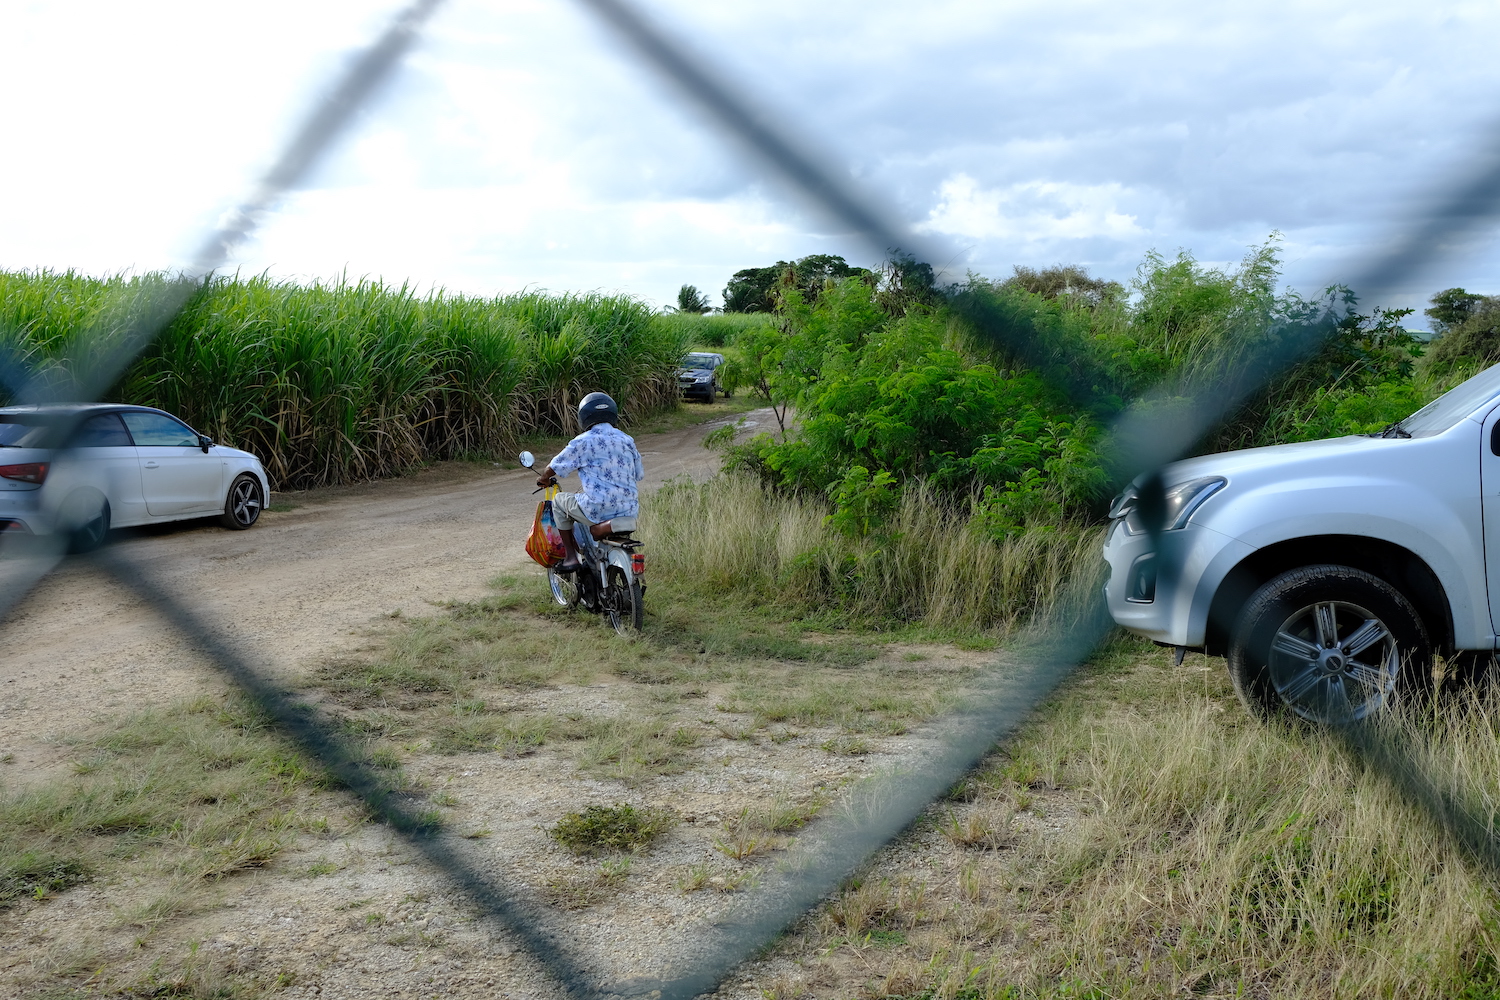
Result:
x=638 y=563
x=29 y=472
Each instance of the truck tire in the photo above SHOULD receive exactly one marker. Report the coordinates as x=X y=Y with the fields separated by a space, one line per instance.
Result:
x=1328 y=644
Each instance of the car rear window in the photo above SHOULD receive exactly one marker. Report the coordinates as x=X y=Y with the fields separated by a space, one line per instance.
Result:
x=157 y=430
x=25 y=430
x=102 y=430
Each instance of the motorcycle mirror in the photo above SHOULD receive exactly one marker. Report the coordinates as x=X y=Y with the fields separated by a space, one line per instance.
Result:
x=527 y=459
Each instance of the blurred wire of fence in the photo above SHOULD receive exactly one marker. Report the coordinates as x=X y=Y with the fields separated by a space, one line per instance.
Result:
x=882 y=809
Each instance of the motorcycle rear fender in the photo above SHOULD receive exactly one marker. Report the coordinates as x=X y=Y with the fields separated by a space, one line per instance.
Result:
x=619 y=557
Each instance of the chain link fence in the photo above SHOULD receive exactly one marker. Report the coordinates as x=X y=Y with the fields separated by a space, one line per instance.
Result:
x=883 y=808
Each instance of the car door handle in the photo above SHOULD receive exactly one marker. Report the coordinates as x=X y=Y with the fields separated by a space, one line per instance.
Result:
x=151 y=465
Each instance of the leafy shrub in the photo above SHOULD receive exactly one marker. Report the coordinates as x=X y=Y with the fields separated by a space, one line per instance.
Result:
x=1470 y=345
x=863 y=503
x=998 y=396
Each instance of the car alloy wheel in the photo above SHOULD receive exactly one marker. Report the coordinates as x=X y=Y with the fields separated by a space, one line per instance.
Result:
x=243 y=505
x=1333 y=661
x=1329 y=644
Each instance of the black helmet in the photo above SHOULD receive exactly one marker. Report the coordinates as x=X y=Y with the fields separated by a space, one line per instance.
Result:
x=597 y=408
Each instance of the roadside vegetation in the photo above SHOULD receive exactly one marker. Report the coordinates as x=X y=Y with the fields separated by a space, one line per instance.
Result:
x=944 y=457
x=1143 y=838
x=329 y=383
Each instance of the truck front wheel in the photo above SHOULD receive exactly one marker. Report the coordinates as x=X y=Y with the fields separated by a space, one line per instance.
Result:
x=1331 y=644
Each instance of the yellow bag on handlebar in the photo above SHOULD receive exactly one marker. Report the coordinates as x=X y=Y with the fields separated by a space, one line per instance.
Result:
x=545 y=543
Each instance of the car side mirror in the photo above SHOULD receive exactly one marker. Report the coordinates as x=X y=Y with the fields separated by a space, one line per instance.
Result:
x=527 y=460
x=205 y=442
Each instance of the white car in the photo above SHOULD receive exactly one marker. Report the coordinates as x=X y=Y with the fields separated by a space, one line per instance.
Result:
x=1329 y=573
x=84 y=469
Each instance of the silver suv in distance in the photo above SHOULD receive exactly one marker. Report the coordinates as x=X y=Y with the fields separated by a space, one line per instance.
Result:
x=83 y=469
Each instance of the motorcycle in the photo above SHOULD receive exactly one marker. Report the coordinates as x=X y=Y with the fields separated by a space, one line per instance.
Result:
x=606 y=580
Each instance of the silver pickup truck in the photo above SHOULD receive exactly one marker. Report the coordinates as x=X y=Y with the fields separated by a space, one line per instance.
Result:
x=1328 y=573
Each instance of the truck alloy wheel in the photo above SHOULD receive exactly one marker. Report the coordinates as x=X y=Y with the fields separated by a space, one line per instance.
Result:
x=1330 y=644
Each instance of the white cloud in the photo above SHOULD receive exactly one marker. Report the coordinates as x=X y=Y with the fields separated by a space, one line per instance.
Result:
x=1031 y=211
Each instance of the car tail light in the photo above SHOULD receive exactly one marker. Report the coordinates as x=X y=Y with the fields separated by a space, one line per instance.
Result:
x=28 y=472
x=637 y=563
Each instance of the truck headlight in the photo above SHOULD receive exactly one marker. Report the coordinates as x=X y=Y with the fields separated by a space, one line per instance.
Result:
x=1180 y=501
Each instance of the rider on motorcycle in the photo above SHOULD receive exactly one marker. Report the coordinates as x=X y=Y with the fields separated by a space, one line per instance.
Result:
x=608 y=466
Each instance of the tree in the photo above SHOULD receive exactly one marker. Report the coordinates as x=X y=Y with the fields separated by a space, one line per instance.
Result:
x=1065 y=279
x=906 y=282
x=749 y=291
x=755 y=288
x=1450 y=308
x=690 y=300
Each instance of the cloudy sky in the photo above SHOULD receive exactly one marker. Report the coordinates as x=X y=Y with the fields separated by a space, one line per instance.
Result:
x=519 y=145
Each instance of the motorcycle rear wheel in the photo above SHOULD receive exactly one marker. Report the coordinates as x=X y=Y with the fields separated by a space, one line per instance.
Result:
x=622 y=602
x=564 y=587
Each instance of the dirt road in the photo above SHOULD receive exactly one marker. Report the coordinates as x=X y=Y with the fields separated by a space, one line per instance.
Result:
x=301 y=584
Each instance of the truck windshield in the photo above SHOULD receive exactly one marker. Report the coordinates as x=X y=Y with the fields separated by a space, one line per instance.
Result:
x=1453 y=405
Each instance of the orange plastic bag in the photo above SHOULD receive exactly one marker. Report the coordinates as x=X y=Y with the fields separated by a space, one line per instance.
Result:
x=545 y=543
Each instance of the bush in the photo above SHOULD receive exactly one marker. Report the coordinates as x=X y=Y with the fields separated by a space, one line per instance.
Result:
x=928 y=562
x=620 y=827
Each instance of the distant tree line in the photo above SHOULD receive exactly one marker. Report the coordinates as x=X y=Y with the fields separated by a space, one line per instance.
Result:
x=1466 y=331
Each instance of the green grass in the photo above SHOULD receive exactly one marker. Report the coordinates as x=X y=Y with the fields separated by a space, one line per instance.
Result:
x=733 y=539
x=1144 y=837
x=169 y=800
x=620 y=827
x=347 y=381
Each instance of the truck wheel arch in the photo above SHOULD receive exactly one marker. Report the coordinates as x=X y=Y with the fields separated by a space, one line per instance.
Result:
x=1397 y=566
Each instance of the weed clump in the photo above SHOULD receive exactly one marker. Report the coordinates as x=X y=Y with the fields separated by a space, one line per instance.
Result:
x=620 y=827
x=38 y=874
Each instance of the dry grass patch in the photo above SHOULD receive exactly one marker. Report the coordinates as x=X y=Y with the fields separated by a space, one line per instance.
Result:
x=197 y=791
x=161 y=806
x=733 y=534
x=577 y=891
x=478 y=677
x=1158 y=841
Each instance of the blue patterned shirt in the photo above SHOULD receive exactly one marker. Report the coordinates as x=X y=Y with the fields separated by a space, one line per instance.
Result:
x=609 y=466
